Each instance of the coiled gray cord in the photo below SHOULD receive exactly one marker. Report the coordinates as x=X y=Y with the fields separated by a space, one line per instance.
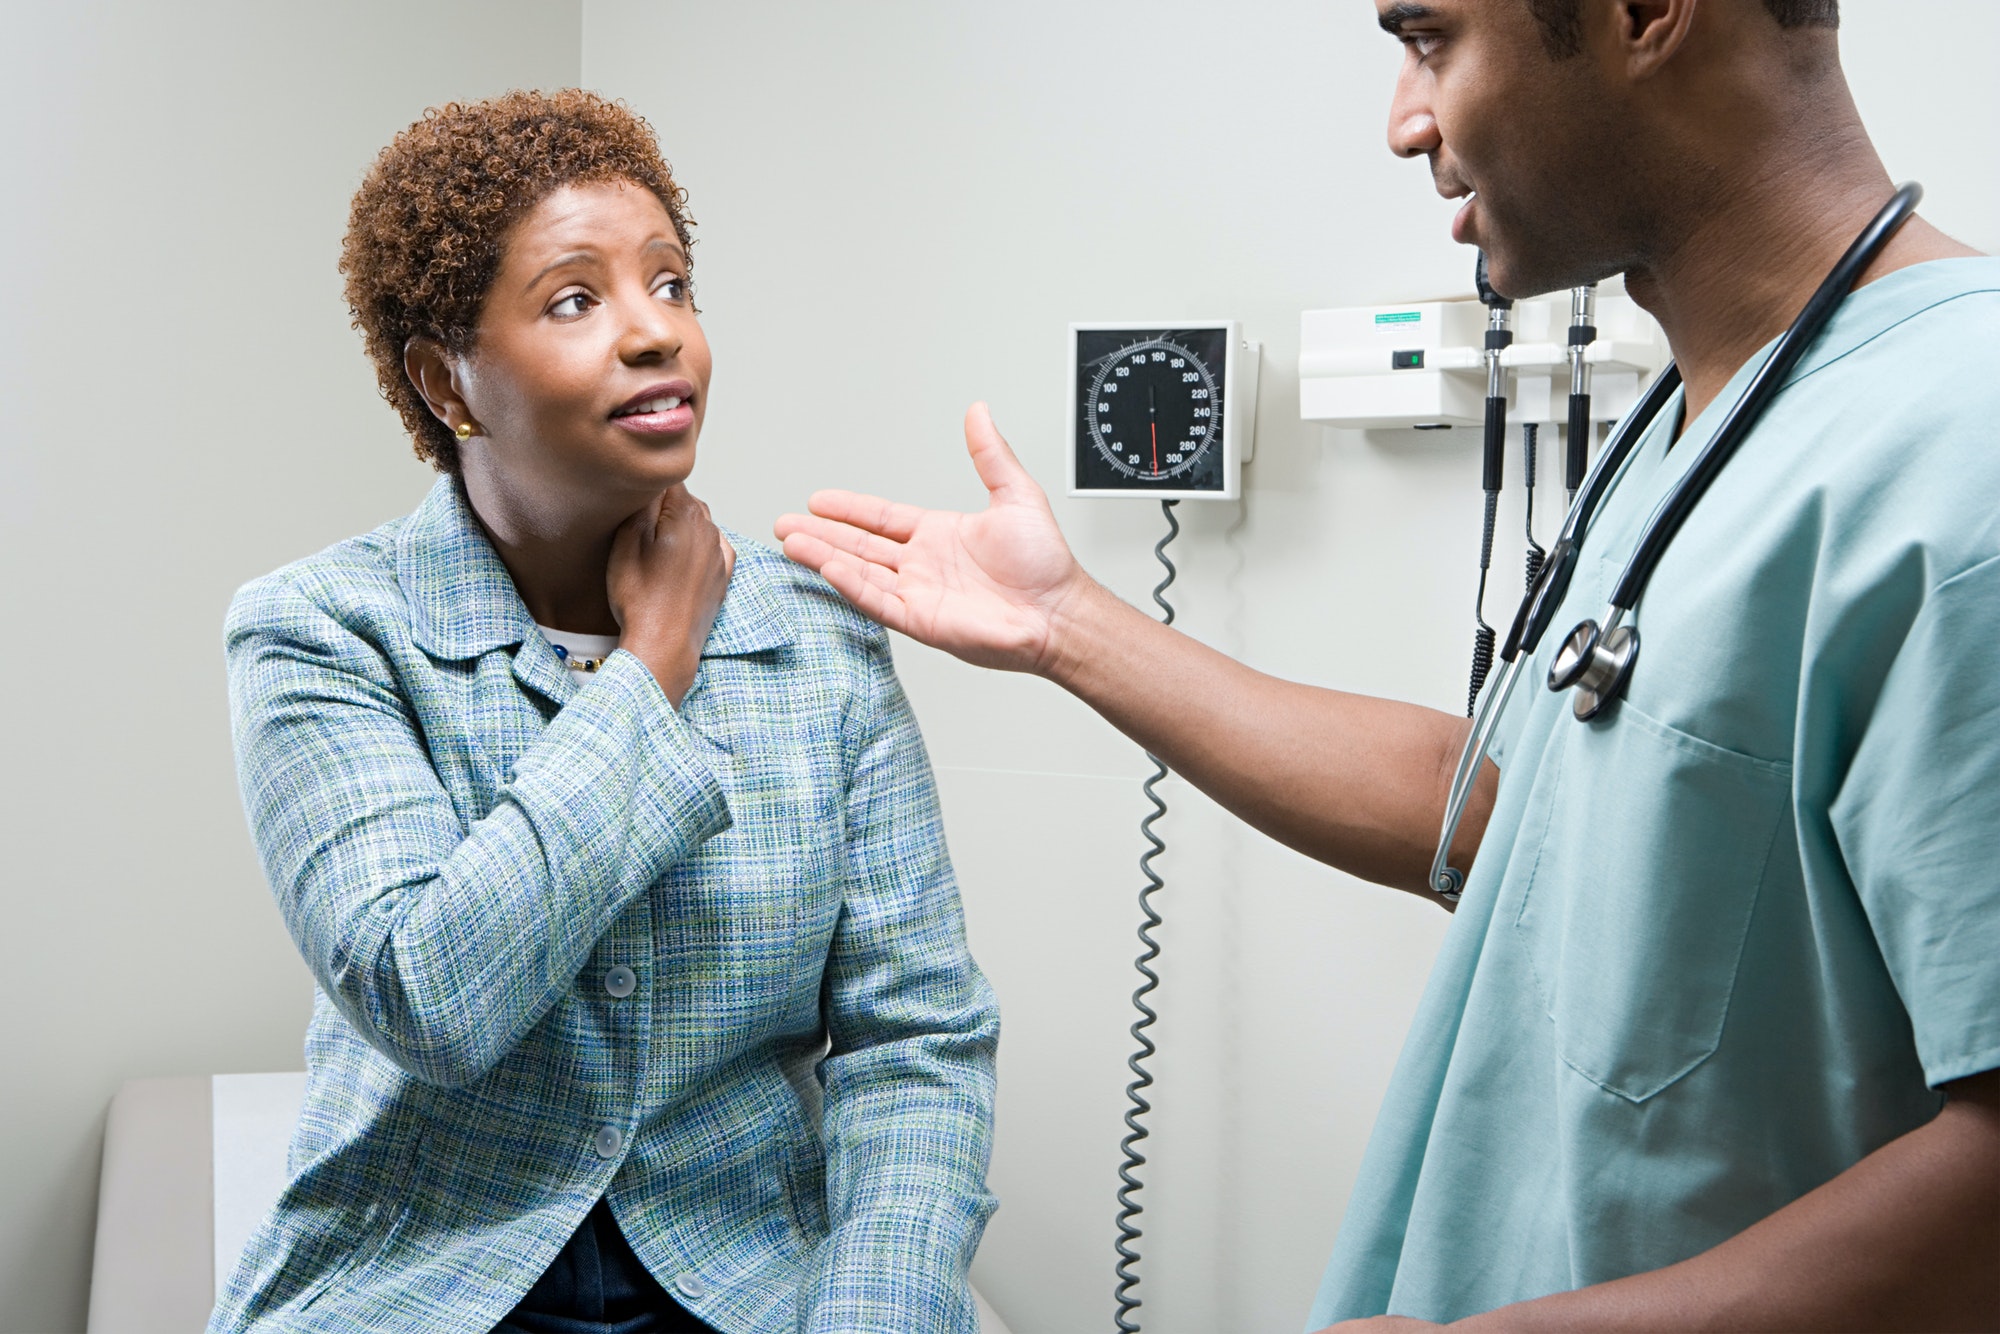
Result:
x=1484 y=637
x=1537 y=557
x=1128 y=1207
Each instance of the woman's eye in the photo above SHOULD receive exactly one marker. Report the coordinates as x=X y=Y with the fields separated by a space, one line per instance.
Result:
x=671 y=288
x=571 y=305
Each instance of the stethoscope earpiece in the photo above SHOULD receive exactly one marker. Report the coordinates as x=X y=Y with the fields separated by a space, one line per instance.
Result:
x=1596 y=664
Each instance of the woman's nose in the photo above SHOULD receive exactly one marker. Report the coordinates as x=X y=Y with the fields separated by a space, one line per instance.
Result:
x=650 y=332
x=1413 y=127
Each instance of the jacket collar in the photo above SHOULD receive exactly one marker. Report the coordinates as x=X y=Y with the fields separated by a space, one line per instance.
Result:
x=461 y=598
x=463 y=603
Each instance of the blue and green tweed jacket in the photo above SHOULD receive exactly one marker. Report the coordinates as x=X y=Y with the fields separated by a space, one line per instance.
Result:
x=789 y=1113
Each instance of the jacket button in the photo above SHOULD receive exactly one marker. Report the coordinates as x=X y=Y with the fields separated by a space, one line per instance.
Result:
x=691 y=1287
x=621 y=982
x=610 y=1140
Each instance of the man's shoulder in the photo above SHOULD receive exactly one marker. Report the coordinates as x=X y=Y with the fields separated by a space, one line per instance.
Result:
x=1930 y=329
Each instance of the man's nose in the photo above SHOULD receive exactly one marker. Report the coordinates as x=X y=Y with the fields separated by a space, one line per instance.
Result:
x=1413 y=129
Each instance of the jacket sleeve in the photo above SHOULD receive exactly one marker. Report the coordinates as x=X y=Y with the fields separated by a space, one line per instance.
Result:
x=444 y=942
x=913 y=1028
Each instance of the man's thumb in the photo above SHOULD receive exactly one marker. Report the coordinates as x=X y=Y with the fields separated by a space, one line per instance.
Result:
x=991 y=458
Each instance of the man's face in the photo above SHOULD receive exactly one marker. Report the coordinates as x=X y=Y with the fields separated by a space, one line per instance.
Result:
x=1528 y=140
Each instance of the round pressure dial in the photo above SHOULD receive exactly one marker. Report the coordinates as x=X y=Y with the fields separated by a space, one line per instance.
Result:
x=1153 y=412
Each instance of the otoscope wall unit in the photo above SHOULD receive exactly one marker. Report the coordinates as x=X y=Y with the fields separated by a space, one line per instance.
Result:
x=1423 y=364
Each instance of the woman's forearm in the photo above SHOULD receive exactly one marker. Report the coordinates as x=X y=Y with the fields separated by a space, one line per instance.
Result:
x=1354 y=781
x=444 y=939
x=472 y=958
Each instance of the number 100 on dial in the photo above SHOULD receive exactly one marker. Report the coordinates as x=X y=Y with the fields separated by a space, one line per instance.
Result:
x=1153 y=412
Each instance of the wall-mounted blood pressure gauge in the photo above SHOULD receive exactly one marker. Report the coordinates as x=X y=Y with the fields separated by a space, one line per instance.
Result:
x=1161 y=411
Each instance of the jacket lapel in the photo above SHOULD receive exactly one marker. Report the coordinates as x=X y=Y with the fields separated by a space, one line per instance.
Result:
x=753 y=618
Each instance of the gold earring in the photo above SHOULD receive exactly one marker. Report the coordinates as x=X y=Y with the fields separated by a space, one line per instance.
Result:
x=464 y=432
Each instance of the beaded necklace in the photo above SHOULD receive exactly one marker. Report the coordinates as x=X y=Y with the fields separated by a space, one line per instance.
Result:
x=580 y=664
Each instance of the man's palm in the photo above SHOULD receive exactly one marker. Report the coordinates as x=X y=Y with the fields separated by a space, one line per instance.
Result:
x=983 y=587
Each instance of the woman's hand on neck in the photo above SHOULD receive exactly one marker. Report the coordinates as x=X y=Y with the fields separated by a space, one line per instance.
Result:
x=556 y=544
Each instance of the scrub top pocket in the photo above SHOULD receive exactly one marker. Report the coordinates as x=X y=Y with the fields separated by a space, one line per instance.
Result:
x=1638 y=981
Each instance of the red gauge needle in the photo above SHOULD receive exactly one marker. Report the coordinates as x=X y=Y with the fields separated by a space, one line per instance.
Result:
x=1153 y=411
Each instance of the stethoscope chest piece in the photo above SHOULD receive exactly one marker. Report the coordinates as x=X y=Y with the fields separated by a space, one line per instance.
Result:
x=1596 y=664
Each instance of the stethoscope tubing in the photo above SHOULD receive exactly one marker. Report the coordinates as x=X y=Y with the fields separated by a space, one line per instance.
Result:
x=1539 y=606
x=1446 y=881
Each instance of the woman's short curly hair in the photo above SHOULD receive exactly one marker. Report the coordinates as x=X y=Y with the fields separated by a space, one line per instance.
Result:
x=430 y=222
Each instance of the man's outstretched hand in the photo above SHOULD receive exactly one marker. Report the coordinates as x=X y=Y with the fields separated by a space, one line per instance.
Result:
x=991 y=588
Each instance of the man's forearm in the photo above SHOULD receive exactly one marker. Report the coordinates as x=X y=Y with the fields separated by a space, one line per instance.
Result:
x=1908 y=1238
x=1354 y=781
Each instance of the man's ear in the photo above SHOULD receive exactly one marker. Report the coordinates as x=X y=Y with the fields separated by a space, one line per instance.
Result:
x=434 y=374
x=1649 y=33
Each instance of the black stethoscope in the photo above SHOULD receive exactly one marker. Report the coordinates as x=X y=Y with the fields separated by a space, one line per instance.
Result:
x=1596 y=659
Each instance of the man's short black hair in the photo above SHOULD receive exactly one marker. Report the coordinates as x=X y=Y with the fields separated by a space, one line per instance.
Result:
x=1562 y=20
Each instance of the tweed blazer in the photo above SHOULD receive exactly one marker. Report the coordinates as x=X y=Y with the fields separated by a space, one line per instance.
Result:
x=787 y=1100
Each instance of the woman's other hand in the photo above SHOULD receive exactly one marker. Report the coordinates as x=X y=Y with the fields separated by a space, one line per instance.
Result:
x=992 y=588
x=670 y=566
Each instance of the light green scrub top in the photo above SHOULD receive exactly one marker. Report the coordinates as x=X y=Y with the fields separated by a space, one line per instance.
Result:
x=1729 y=938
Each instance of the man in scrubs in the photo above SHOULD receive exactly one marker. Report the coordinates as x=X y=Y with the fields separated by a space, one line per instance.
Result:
x=1714 y=1040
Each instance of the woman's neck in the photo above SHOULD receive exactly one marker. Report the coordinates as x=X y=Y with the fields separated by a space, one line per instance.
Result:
x=556 y=552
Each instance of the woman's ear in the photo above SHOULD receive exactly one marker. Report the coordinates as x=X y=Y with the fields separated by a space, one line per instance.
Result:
x=434 y=374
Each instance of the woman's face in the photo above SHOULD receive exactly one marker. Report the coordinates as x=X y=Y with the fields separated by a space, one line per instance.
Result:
x=589 y=374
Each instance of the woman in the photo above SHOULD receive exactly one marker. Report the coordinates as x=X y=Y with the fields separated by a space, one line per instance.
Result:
x=644 y=1001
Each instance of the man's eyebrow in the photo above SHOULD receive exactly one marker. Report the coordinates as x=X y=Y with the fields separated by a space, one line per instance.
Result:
x=1395 y=16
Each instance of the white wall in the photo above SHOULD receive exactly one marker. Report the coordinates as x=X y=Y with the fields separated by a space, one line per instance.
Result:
x=902 y=205
x=182 y=407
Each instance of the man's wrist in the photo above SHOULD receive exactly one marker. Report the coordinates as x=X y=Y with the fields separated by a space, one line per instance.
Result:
x=1077 y=626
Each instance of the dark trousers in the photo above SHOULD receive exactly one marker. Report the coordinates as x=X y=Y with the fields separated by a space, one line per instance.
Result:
x=597 y=1286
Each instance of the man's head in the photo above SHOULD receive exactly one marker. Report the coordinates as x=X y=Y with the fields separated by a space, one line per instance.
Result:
x=1562 y=20
x=1590 y=135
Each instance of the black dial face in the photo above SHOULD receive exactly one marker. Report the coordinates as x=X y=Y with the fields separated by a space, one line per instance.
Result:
x=1149 y=409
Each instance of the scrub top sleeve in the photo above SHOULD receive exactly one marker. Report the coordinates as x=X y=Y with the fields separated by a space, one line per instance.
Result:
x=1918 y=821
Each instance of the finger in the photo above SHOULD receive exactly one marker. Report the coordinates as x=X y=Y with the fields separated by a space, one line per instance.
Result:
x=728 y=554
x=639 y=526
x=994 y=461
x=895 y=522
x=850 y=580
x=886 y=580
x=857 y=542
x=816 y=553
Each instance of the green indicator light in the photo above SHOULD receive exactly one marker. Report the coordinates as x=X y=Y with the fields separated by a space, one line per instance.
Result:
x=1400 y=317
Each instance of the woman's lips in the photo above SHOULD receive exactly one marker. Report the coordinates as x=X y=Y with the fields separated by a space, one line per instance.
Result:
x=666 y=421
x=662 y=410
